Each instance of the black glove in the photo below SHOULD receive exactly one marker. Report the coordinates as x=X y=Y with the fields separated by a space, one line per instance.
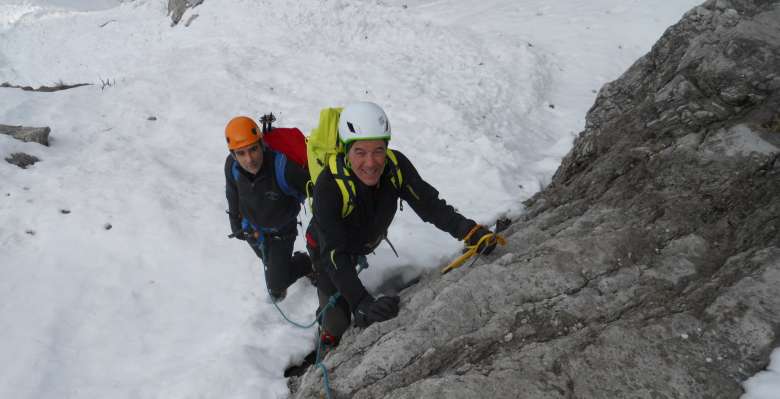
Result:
x=487 y=246
x=372 y=310
x=235 y=221
x=241 y=235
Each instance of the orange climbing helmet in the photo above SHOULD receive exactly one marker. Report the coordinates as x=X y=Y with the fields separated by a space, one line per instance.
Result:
x=242 y=131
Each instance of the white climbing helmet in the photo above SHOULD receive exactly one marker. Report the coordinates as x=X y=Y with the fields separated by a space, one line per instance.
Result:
x=363 y=121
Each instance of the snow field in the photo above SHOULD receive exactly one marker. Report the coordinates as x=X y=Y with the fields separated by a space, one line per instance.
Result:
x=483 y=96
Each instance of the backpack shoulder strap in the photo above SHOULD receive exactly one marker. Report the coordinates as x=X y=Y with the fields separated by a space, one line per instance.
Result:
x=344 y=182
x=280 y=164
x=234 y=170
x=396 y=177
x=245 y=224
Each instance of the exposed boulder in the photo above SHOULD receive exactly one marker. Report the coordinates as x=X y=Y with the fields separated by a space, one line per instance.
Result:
x=22 y=160
x=650 y=266
x=176 y=8
x=28 y=134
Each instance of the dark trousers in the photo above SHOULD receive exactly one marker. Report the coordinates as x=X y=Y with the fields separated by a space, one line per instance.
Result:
x=336 y=319
x=282 y=267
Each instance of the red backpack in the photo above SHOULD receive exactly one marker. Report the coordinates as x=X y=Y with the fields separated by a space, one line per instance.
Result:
x=288 y=141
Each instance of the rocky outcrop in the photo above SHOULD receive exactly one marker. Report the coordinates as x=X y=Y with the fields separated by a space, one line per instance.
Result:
x=176 y=8
x=650 y=266
x=22 y=160
x=28 y=134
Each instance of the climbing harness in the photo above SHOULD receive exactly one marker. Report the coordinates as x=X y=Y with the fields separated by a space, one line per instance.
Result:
x=471 y=250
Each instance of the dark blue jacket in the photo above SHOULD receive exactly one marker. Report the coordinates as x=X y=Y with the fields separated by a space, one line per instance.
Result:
x=259 y=199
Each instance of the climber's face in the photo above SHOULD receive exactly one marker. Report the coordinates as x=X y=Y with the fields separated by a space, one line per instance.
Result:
x=250 y=157
x=367 y=160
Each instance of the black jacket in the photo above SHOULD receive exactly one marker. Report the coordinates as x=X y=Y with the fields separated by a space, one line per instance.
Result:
x=259 y=198
x=341 y=239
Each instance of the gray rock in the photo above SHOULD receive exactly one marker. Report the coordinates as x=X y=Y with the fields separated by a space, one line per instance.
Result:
x=648 y=268
x=176 y=9
x=59 y=86
x=28 y=134
x=22 y=160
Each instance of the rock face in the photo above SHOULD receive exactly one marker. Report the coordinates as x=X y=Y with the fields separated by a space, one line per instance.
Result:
x=29 y=134
x=649 y=268
x=176 y=8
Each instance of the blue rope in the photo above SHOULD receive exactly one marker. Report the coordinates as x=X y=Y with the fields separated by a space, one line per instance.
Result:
x=363 y=264
x=325 y=381
x=321 y=313
x=320 y=316
x=317 y=361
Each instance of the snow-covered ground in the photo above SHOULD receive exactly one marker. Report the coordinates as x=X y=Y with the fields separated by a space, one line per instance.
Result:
x=484 y=96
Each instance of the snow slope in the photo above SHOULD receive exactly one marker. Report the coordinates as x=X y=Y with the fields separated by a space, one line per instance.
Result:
x=483 y=96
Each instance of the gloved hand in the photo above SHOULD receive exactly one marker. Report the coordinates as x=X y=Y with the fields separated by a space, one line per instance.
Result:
x=487 y=246
x=241 y=235
x=372 y=310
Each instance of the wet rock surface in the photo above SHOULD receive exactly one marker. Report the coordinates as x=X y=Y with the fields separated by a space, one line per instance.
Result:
x=650 y=266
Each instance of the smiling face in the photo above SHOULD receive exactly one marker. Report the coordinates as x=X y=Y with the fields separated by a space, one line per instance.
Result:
x=367 y=158
x=250 y=157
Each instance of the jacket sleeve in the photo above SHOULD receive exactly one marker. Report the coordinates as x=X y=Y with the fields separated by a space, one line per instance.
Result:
x=425 y=201
x=296 y=176
x=336 y=261
x=231 y=192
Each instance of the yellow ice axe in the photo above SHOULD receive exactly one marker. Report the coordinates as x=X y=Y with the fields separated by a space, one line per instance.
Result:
x=472 y=250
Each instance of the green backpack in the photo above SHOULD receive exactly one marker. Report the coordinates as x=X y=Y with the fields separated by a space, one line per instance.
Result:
x=324 y=148
x=323 y=143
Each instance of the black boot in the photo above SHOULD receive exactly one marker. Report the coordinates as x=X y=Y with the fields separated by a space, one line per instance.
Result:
x=277 y=296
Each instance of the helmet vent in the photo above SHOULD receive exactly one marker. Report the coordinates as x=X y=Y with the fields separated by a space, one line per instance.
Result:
x=350 y=127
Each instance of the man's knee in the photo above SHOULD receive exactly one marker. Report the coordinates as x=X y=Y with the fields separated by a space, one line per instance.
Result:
x=302 y=264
